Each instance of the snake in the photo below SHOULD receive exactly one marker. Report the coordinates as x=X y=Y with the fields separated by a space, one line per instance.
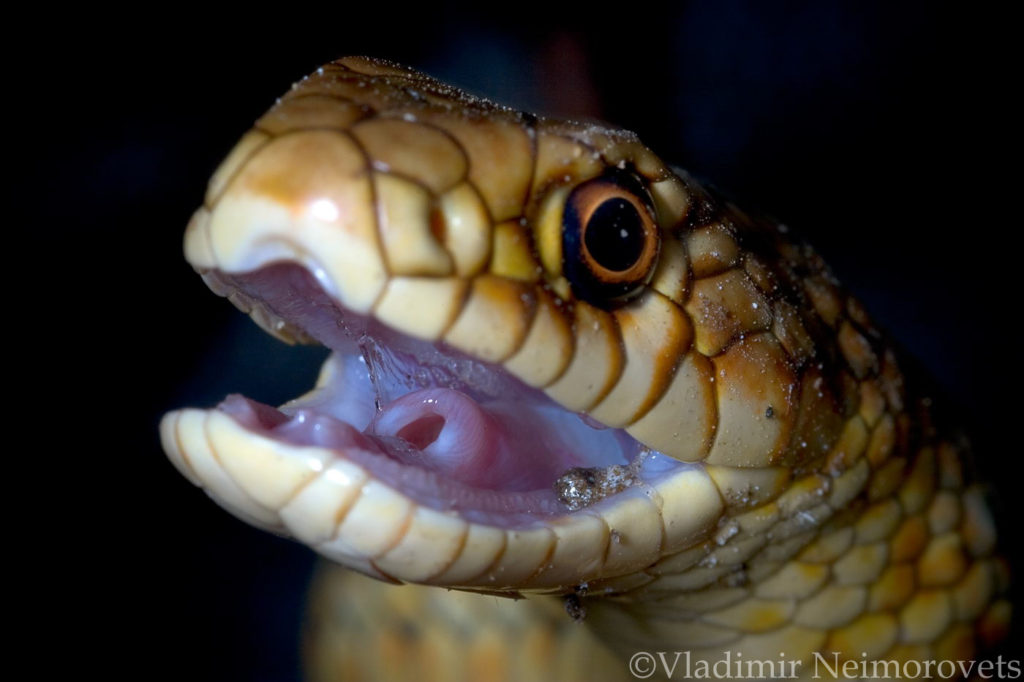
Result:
x=564 y=370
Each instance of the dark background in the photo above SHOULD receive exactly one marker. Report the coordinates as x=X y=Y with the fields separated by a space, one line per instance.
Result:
x=879 y=130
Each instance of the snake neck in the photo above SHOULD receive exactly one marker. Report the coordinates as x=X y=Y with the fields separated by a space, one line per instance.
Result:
x=892 y=558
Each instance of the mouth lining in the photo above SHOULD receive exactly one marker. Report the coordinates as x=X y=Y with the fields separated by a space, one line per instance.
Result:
x=444 y=429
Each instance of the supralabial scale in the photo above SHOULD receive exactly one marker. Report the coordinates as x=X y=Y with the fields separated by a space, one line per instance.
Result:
x=561 y=367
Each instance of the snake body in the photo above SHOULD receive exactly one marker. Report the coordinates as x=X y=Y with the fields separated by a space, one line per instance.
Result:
x=784 y=489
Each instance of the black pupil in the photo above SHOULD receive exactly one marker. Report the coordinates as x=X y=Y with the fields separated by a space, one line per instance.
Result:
x=615 y=235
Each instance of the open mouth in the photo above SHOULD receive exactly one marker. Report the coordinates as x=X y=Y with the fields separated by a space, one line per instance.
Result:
x=448 y=431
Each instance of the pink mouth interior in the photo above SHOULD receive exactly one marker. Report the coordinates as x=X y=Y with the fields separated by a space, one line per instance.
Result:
x=447 y=430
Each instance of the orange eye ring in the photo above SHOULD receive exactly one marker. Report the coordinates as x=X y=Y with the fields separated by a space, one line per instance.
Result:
x=610 y=240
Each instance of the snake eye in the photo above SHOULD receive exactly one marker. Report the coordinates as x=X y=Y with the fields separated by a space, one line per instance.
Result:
x=610 y=241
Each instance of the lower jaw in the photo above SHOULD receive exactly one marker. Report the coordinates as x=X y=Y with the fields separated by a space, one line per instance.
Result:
x=340 y=504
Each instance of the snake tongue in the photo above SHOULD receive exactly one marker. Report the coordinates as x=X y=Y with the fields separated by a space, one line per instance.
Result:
x=302 y=427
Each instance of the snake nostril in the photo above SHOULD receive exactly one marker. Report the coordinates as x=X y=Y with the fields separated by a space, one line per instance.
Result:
x=423 y=431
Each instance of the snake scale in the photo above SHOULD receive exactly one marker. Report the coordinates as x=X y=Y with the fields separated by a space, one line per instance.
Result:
x=562 y=367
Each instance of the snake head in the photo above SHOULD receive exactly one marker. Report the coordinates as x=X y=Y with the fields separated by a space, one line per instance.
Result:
x=555 y=360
